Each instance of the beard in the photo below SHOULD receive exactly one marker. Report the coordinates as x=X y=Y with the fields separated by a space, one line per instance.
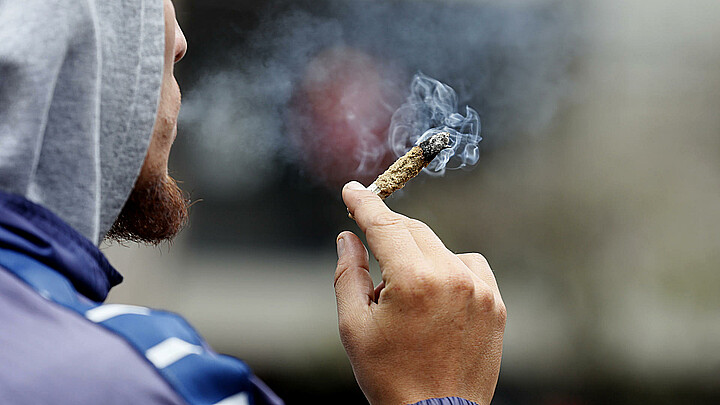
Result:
x=155 y=212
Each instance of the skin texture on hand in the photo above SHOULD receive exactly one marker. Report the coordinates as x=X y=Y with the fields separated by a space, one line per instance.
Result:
x=433 y=328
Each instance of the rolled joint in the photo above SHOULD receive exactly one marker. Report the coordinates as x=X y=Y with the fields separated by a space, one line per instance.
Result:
x=409 y=165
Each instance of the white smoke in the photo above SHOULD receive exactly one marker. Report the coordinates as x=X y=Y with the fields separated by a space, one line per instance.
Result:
x=432 y=107
x=509 y=61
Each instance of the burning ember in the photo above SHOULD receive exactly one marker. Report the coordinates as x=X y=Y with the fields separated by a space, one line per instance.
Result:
x=431 y=108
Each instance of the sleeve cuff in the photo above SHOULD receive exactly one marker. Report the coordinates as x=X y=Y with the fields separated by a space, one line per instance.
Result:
x=445 y=401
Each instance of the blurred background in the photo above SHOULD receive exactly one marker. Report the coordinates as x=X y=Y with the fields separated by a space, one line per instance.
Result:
x=596 y=198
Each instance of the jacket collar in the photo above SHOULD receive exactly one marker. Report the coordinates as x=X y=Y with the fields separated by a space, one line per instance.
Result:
x=33 y=230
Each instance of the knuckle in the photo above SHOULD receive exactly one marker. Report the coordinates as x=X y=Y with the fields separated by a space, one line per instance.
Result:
x=386 y=219
x=426 y=282
x=461 y=284
x=478 y=260
x=417 y=288
x=366 y=200
x=501 y=313
x=339 y=271
x=485 y=299
x=416 y=225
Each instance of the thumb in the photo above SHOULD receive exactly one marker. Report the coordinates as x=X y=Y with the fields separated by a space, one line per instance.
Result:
x=353 y=285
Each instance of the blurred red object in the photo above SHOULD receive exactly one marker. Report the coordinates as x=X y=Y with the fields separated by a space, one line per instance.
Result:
x=340 y=116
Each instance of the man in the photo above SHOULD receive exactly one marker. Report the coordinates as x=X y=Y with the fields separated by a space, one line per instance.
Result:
x=88 y=110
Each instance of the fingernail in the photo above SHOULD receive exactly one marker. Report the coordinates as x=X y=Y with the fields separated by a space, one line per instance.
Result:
x=354 y=185
x=340 y=246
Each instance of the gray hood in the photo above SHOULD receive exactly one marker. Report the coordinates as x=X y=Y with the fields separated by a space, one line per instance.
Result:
x=79 y=88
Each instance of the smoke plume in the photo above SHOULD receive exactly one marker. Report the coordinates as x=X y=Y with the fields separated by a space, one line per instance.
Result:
x=276 y=92
x=432 y=108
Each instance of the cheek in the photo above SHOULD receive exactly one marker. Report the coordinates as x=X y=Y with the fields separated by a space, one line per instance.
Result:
x=164 y=130
x=170 y=96
x=168 y=110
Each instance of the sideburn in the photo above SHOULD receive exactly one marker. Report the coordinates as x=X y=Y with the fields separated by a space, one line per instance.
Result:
x=155 y=212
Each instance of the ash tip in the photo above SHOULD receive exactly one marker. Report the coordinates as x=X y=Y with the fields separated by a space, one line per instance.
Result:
x=433 y=145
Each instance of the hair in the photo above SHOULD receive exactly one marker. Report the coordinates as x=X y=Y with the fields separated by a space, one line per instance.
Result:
x=154 y=213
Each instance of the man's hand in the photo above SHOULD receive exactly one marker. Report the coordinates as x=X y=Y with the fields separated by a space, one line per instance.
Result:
x=433 y=328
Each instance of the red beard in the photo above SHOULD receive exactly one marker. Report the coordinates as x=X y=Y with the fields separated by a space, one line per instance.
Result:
x=155 y=212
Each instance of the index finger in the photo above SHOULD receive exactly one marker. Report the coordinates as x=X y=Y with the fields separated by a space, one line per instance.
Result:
x=387 y=233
